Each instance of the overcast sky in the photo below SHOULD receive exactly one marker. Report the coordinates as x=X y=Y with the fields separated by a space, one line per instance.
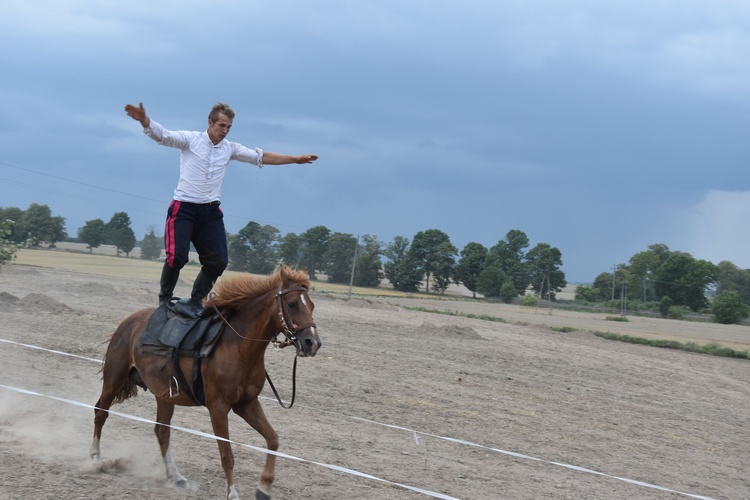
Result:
x=598 y=127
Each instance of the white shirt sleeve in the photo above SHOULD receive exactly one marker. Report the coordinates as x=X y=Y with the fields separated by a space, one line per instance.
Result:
x=165 y=137
x=247 y=155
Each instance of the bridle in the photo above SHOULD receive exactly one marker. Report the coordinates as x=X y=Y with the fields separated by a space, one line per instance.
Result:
x=285 y=318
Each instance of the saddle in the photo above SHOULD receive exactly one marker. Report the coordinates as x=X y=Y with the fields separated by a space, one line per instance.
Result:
x=173 y=335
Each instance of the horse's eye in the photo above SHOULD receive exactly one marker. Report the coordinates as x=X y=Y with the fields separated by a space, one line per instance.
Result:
x=292 y=305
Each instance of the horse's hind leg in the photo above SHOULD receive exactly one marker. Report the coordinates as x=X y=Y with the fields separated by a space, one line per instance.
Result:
x=116 y=387
x=164 y=412
x=253 y=414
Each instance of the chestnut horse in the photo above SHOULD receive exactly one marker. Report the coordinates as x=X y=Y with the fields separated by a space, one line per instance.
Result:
x=233 y=372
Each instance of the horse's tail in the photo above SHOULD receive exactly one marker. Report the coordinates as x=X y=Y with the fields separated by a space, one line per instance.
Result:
x=128 y=390
x=121 y=379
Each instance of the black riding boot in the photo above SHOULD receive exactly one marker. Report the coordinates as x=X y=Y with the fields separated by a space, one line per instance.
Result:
x=193 y=307
x=201 y=286
x=169 y=277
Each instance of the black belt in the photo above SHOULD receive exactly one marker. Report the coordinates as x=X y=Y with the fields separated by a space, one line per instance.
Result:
x=209 y=204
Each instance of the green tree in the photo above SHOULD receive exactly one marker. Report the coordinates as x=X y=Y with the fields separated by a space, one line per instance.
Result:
x=586 y=293
x=685 y=280
x=731 y=278
x=470 y=265
x=92 y=233
x=313 y=249
x=508 y=255
x=604 y=283
x=544 y=263
x=444 y=265
x=368 y=270
x=728 y=308
x=255 y=248
x=289 y=249
x=430 y=249
x=490 y=282
x=151 y=246
x=37 y=225
x=8 y=248
x=239 y=253
x=400 y=269
x=119 y=233
x=641 y=269
x=665 y=304
x=14 y=215
x=508 y=291
x=339 y=257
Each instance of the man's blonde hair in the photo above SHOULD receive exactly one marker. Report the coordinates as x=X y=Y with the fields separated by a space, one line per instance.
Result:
x=220 y=108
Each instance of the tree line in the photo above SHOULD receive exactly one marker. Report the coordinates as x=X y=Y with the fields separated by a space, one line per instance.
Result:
x=427 y=262
x=656 y=278
x=669 y=280
x=36 y=226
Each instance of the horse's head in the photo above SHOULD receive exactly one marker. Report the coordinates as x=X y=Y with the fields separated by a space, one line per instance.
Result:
x=295 y=313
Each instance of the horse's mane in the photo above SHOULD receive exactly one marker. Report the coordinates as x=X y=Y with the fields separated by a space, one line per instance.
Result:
x=234 y=291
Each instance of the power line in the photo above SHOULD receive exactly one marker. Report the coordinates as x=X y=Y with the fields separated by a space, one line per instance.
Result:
x=123 y=193
x=78 y=182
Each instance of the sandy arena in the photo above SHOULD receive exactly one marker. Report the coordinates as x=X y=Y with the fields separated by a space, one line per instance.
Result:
x=399 y=403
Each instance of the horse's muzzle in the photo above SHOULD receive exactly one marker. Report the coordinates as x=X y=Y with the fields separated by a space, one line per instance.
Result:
x=308 y=342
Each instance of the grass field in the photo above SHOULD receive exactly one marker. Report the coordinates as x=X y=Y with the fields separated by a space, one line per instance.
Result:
x=107 y=265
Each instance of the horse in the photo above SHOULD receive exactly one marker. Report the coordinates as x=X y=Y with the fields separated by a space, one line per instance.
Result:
x=257 y=309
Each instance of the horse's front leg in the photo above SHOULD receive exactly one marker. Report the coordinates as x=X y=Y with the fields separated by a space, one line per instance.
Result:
x=164 y=412
x=220 y=424
x=253 y=414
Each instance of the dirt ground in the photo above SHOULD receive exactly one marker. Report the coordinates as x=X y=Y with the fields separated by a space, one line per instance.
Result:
x=399 y=403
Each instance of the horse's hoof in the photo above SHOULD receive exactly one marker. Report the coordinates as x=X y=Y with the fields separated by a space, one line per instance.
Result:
x=181 y=483
x=259 y=495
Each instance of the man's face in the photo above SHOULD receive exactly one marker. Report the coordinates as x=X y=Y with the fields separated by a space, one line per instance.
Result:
x=219 y=129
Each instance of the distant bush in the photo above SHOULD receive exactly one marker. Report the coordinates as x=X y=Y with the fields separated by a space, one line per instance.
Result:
x=617 y=318
x=529 y=300
x=7 y=248
x=563 y=329
x=728 y=308
x=677 y=312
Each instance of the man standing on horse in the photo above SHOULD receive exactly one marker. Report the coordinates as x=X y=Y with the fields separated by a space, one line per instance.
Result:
x=194 y=214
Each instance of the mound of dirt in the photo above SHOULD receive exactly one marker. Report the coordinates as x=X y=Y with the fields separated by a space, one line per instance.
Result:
x=42 y=303
x=8 y=302
x=453 y=331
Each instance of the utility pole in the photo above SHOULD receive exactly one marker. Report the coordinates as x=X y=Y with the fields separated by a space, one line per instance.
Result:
x=354 y=264
x=541 y=294
x=549 y=295
x=614 y=269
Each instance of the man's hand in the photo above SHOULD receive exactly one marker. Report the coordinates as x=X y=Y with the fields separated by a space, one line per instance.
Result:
x=138 y=113
x=306 y=159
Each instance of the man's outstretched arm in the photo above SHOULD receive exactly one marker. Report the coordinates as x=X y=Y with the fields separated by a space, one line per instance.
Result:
x=270 y=158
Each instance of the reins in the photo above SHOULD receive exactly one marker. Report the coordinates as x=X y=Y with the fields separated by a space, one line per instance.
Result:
x=289 y=333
